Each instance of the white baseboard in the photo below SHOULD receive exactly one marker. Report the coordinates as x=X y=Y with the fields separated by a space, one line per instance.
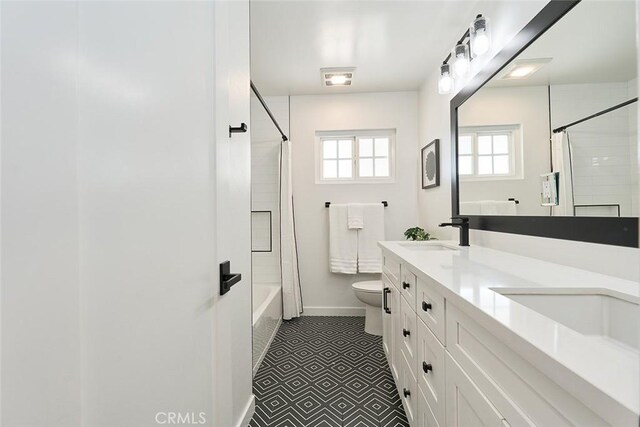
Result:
x=266 y=348
x=334 y=311
x=248 y=412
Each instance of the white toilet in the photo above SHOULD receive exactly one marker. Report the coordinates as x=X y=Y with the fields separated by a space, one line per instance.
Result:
x=370 y=293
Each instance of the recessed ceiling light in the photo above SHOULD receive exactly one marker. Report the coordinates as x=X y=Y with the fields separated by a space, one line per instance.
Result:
x=524 y=68
x=337 y=76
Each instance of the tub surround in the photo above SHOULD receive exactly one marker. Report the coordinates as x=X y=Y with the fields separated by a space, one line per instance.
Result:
x=600 y=373
x=267 y=316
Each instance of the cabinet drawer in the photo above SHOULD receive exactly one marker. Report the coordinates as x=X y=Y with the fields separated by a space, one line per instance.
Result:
x=431 y=307
x=424 y=415
x=431 y=370
x=391 y=268
x=466 y=405
x=408 y=334
x=408 y=389
x=408 y=285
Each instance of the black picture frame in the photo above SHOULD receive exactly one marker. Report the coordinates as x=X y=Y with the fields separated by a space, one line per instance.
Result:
x=621 y=231
x=436 y=150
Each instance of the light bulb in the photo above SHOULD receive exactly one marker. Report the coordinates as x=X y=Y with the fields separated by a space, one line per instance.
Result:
x=481 y=43
x=480 y=36
x=461 y=60
x=338 y=80
x=445 y=83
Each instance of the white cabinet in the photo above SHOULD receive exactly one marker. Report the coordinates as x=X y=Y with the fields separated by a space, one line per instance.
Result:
x=465 y=403
x=431 y=370
x=408 y=334
x=408 y=388
x=424 y=415
x=391 y=324
x=450 y=370
x=408 y=285
x=431 y=307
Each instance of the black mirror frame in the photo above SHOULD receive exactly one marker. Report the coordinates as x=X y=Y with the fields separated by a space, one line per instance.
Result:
x=604 y=230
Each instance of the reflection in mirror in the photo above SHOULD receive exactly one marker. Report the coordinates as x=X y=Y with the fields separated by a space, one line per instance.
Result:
x=520 y=151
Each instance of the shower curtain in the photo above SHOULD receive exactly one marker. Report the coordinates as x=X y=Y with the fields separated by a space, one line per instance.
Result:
x=561 y=161
x=291 y=292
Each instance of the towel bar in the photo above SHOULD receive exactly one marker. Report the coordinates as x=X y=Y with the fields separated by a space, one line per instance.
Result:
x=384 y=203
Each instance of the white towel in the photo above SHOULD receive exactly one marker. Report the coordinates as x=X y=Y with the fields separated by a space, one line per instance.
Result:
x=498 y=207
x=369 y=254
x=470 y=208
x=343 y=243
x=355 y=216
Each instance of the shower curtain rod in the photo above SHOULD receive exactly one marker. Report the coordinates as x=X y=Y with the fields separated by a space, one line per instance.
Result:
x=264 y=104
x=608 y=110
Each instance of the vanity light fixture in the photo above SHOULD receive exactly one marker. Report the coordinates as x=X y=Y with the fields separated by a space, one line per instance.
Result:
x=337 y=76
x=476 y=41
x=480 y=35
x=445 y=83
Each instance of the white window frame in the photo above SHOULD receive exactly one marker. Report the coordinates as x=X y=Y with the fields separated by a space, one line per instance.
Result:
x=515 y=151
x=355 y=136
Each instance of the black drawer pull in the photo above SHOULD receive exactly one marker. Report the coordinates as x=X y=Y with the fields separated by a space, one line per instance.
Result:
x=405 y=285
x=426 y=367
x=406 y=392
x=426 y=306
x=406 y=332
x=385 y=301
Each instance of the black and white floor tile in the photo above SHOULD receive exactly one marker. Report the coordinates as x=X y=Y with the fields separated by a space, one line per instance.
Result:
x=326 y=372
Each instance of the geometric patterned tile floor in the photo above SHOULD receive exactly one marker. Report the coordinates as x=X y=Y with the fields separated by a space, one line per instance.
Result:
x=326 y=372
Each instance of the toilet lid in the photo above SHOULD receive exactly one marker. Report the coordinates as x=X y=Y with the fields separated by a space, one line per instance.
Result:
x=374 y=286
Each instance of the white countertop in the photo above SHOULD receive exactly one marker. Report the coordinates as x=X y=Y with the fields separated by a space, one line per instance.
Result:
x=468 y=275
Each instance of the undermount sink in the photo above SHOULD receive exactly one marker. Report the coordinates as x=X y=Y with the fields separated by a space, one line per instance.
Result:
x=588 y=312
x=426 y=246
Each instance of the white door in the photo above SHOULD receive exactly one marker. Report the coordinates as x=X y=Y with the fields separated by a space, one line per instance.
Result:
x=232 y=344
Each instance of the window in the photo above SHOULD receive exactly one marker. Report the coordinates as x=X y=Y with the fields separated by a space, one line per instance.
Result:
x=362 y=156
x=489 y=152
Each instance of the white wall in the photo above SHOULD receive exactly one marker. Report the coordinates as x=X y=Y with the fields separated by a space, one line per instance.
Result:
x=265 y=179
x=524 y=106
x=507 y=19
x=109 y=292
x=324 y=292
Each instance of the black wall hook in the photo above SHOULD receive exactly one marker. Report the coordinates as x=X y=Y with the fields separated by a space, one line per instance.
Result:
x=240 y=129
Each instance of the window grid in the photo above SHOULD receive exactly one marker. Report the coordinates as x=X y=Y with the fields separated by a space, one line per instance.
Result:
x=358 y=158
x=486 y=154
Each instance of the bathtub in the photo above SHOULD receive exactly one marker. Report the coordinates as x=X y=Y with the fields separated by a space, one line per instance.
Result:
x=267 y=315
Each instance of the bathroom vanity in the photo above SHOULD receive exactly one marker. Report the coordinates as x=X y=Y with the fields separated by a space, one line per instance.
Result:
x=480 y=337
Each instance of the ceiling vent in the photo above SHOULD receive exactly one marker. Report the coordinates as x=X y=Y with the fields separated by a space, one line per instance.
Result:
x=337 y=76
x=523 y=68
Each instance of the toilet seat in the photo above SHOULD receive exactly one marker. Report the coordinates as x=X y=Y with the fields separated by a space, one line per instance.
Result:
x=369 y=286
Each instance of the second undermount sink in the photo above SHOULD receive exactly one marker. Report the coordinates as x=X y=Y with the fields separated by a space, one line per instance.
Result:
x=589 y=312
x=426 y=246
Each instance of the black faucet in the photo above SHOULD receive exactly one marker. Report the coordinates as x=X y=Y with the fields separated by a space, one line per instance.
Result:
x=463 y=224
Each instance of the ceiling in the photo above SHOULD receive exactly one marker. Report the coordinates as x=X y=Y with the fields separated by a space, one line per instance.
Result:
x=594 y=43
x=394 y=45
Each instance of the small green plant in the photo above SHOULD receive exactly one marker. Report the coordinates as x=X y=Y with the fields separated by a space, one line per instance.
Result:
x=417 y=233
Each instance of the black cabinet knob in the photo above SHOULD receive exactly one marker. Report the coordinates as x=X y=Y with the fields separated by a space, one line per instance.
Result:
x=406 y=392
x=406 y=332
x=426 y=306
x=405 y=285
x=426 y=367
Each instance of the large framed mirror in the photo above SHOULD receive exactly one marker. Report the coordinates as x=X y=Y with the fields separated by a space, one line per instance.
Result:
x=544 y=139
